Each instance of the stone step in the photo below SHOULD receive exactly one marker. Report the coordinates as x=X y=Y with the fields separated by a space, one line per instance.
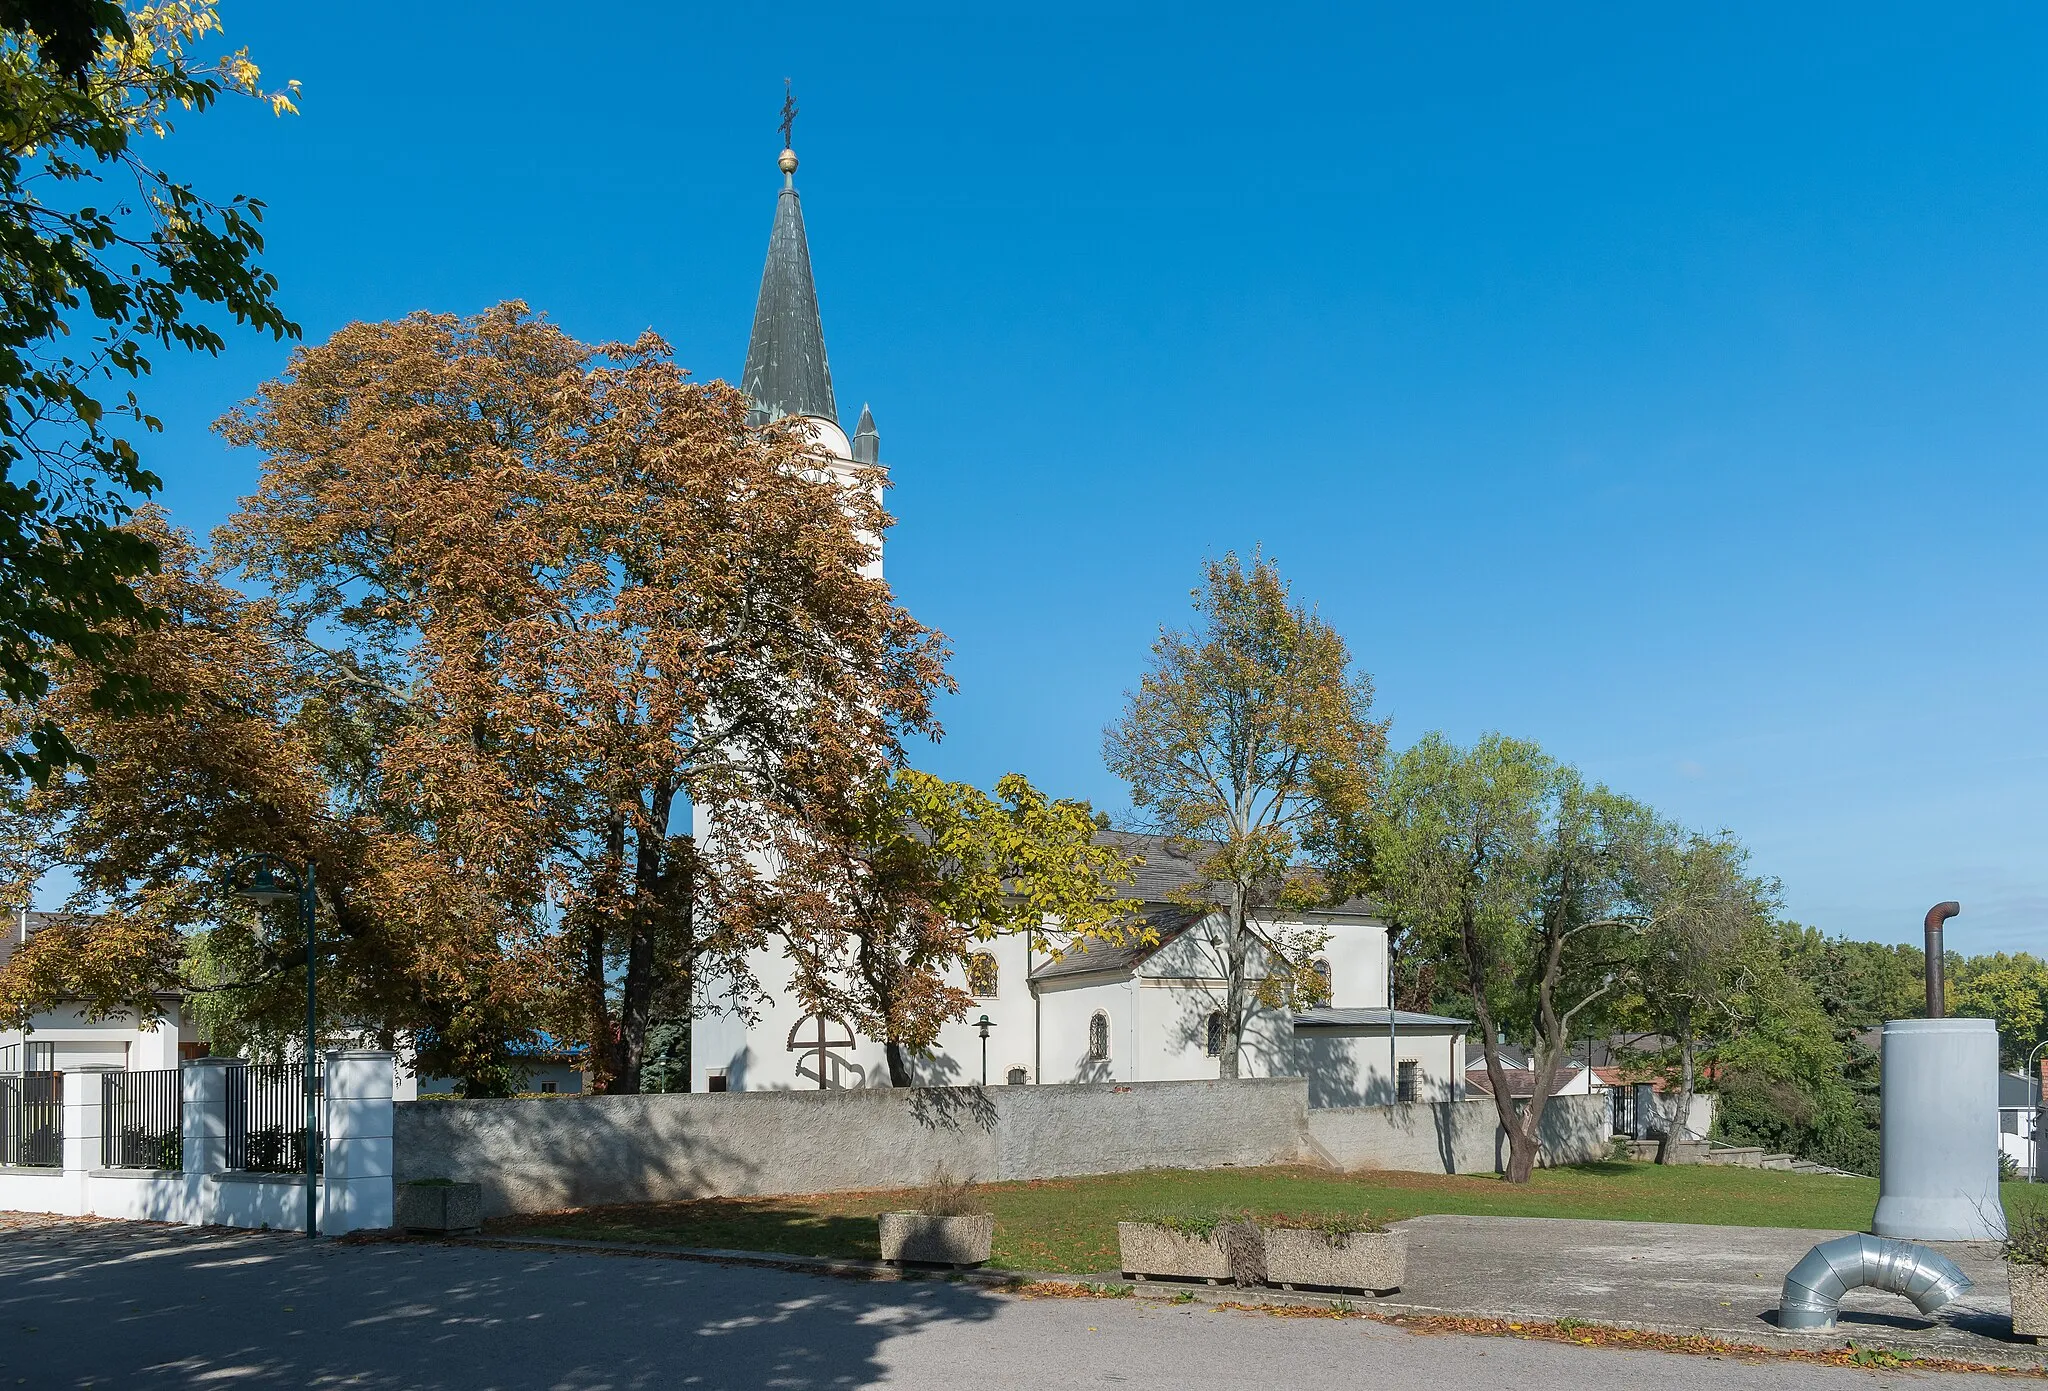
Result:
x=1777 y=1161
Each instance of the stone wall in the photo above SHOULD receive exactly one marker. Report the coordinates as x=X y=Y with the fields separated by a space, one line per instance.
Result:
x=577 y=1151
x=533 y=1155
x=1455 y=1137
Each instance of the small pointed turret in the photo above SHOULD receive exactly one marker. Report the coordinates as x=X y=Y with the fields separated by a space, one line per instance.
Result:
x=867 y=445
x=786 y=371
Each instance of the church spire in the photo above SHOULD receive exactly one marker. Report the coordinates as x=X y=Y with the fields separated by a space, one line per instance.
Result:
x=867 y=445
x=786 y=371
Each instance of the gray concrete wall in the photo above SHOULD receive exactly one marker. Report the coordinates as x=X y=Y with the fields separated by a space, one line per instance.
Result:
x=533 y=1155
x=576 y=1151
x=1456 y=1137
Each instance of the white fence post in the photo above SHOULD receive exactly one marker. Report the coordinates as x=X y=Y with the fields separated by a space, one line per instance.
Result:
x=357 y=1163
x=84 y=1122
x=204 y=1084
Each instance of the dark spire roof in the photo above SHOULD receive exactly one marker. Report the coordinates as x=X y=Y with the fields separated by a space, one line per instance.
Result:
x=786 y=372
x=867 y=445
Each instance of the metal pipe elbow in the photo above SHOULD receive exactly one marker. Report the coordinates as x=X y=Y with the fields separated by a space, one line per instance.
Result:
x=1812 y=1295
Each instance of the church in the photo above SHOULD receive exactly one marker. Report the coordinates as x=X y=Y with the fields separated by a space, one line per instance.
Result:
x=1101 y=1013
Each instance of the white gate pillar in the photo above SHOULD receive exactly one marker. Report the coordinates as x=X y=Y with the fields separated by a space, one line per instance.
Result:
x=358 y=1159
x=204 y=1084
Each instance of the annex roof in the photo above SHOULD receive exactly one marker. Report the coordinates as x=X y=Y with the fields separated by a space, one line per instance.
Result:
x=1375 y=1019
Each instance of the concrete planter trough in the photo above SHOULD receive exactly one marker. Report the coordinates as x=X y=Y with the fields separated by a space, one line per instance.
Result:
x=1148 y=1252
x=930 y=1240
x=1376 y=1262
x=2029 y=1298
x=439 y=1207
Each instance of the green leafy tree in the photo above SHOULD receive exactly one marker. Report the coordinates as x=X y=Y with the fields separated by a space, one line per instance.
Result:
x=2010 y=989
x=1697 y=900
x=1516 y=871
x=879 y=901
x=1251 y=742
x=103 y=259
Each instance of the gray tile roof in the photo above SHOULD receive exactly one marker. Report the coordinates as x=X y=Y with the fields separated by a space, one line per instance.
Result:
x=1166 y=867
x=11 y=922
x=1374 y=1018
x=1169 y=920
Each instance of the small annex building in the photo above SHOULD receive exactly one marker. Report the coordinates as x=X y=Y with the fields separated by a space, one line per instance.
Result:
x=63 y=1038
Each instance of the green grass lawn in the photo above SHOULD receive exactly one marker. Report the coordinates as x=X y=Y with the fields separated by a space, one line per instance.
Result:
x=1069 y=1225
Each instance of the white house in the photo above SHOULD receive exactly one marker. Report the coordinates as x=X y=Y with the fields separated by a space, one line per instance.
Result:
x=61 y=1039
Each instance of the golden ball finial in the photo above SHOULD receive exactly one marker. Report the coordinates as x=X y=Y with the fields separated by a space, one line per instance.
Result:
x=786 y=162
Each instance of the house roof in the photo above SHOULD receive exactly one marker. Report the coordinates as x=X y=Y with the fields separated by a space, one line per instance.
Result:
x=1169 y=920
x=1521 y=1080
x=21 y=926
x=1375 y=1018
x=1166 y=867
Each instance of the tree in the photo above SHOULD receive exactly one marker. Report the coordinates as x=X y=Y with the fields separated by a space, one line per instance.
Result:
x=1516 y=870
x=1250 y=740
x=2012 y=990
x=576 y=600
x=1697 y=900
x=101 y=256
x=878 y=899
x=247 y=757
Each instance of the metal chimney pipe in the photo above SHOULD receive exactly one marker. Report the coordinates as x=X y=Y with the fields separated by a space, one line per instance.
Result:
x=1937 y=997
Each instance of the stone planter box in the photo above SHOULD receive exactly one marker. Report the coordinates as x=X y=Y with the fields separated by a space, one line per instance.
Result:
x=2029 y=1299
x=1371 y=1261
x=439 y=1207
x=1147 y=1251
x=930 y=1240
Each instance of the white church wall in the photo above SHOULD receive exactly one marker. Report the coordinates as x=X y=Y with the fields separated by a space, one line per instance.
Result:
x=1357 y=953
x=1065 y=1008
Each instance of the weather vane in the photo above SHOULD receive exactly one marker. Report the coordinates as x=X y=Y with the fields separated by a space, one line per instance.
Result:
x=788 y=113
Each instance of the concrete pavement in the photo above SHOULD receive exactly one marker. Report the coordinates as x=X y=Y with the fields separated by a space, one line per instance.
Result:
x=1673 y=1277
x=126 y=1305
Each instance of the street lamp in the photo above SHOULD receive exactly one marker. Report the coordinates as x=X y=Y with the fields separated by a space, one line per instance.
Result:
x=272 y=883
x=984 y=1024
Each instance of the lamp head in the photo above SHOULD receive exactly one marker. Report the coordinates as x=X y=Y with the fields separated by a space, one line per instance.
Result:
x=266 y=885
x=984 y=1024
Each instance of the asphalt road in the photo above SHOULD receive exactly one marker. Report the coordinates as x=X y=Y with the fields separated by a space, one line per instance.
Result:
x=129 y=1306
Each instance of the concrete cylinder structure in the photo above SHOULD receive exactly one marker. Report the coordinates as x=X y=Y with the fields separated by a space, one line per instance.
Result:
x=1939 y=1174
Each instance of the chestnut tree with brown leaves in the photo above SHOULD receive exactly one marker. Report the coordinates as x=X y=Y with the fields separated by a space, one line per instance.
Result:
x=540 y=603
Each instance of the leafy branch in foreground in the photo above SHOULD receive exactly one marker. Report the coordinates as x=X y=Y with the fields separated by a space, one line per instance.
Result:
x=103 y=257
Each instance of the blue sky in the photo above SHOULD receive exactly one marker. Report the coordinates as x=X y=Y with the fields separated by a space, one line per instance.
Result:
x=1667 y=389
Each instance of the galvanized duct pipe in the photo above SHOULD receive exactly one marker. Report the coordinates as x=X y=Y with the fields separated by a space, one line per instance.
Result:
x=1813 y=1291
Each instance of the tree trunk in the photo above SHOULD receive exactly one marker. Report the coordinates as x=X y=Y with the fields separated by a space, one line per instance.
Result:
x=1681 y=1115
x=899 y=1064
x=1233 y=990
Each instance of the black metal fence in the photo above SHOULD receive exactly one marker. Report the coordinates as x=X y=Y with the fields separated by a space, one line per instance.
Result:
x=267 y=1119
x=142 y=1120
x=32 y=1119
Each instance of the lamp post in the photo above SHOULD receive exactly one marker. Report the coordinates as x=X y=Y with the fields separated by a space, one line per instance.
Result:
x=270 y=883
x=984 y=1024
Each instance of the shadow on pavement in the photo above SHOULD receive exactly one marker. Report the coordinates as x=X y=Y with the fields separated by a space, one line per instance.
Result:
x=129 y=1305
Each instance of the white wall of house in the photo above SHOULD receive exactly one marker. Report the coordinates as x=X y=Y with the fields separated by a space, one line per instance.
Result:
x=77 y=1041
x=1357 y=1066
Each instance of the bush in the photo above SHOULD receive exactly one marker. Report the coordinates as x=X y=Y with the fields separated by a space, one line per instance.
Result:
x=2026 y=1237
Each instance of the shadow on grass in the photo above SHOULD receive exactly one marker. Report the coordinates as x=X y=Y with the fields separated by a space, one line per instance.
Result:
x=777 y=1225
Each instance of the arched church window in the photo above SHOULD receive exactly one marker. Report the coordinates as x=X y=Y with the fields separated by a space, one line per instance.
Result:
x=1098 y=1037
x=1321 y=967
x=1214 y=1044
x=1017 y=1077
x=981 y=975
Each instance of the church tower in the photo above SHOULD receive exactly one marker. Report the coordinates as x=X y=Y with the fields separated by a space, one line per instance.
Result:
x=786 y=372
